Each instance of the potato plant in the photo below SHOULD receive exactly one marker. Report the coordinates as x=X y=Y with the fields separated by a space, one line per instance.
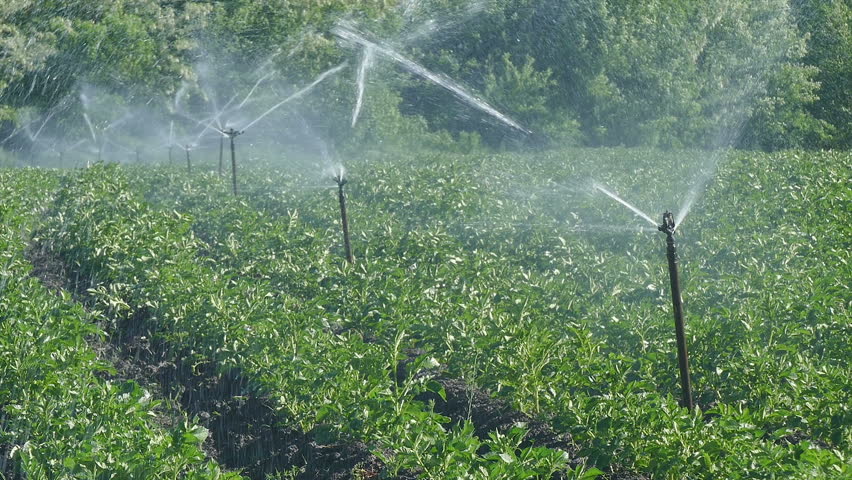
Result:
x=508 y=272
x=60 y=417
x=299 y=355
x=470 y=258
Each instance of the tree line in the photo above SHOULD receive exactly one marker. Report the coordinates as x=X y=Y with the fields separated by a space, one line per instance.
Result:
x=761 y=74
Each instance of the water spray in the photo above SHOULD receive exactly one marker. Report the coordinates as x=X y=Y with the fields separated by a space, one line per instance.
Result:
x=298 y=94
x=99 y=154
x=232 y=134
x=668 y=227
x=344 y=217
x=348 y=32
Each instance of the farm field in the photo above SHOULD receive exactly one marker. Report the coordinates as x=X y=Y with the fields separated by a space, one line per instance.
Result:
x=65 y=413
x=501 y=320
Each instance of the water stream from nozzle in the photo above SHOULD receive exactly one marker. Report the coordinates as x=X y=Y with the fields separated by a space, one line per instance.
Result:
x=366 y=62
x=348 y=32
x=620 y=200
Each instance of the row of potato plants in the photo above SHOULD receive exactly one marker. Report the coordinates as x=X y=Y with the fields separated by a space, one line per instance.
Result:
x=469 y=260
x=61 y=416
x=299 y=355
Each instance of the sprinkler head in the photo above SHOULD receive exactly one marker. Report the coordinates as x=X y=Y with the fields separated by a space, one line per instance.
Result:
x=233 y=133
x=668 y=226
x=338 y=174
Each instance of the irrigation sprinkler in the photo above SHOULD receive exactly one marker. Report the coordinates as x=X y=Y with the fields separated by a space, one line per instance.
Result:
x=344 y=217
x=188 y=162
x=170 y=154
x=232 y=134
x=668 y=227
x=221 y=153
x=138 y=160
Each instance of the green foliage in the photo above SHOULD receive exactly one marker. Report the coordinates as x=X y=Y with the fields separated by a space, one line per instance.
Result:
x=781 y=118
x=60 y=417
x=529 y=95
x=468 y=269
x=828 y=24
x=293 y=346
x=660 y=73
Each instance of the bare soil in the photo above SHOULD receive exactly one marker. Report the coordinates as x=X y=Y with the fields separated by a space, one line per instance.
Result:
x=246 y=433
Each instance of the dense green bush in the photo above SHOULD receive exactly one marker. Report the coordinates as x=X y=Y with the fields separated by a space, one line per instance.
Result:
x=765 y=74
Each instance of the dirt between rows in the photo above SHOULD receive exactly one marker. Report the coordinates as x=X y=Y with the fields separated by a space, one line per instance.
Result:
x=488 y=414
x=246 y=433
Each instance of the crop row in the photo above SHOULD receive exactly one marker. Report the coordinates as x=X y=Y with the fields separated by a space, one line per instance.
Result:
x=60 y=417
x=298 y=353
x=474 y=266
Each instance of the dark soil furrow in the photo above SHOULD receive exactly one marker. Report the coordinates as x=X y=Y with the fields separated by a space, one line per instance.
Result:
x=246 y=433
x=489 y=414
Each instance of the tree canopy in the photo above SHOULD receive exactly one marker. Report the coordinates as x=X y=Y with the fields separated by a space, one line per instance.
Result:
x=763 y=74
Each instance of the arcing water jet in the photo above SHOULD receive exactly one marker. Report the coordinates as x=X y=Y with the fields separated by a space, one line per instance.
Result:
x=366 y=62
x=348 y=32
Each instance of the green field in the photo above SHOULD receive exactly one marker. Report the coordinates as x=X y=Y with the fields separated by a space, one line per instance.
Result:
x=501 y=320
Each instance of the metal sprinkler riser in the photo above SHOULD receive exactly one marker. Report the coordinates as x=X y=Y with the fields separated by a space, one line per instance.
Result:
x=344 y=217
x=231 y=133
x=668 y=227
x=221 y=153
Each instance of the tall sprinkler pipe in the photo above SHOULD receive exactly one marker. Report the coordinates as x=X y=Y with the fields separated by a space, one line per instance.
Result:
x=232 y=134
x=138 y=159
x=170 y=154
x=668 y=227
x=61 y=158
x=221 y=153
x=344 y=217
x=188 y=162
